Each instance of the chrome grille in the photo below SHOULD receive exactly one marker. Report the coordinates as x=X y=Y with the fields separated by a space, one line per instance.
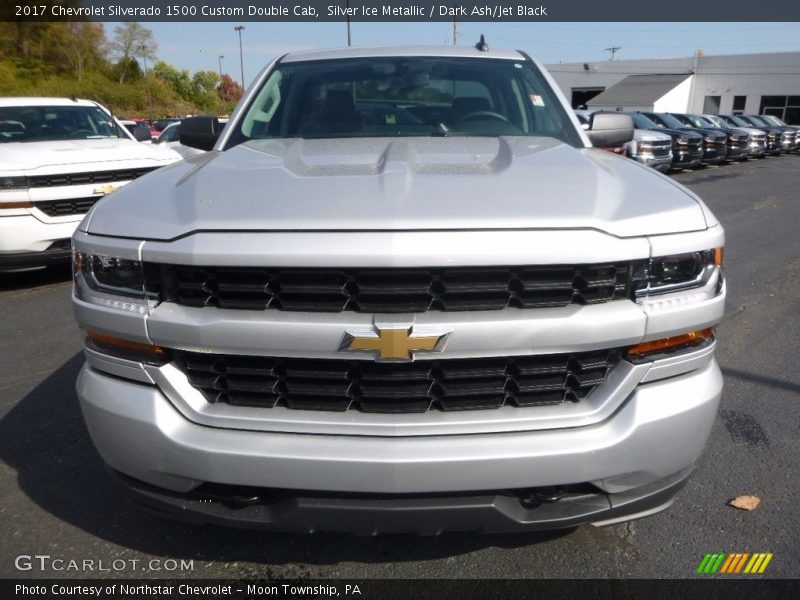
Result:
x=660 y=149
x=411 y=387
x=389 y=290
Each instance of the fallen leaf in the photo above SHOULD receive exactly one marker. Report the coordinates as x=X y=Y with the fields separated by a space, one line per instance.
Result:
x=745 y=502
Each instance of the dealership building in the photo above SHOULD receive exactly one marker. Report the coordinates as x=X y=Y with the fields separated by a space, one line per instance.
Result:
x=738 y=84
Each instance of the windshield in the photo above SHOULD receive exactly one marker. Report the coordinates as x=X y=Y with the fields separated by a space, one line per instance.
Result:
x=642 y=122
x=696 y=121
x=170 y=134
x=401 y=97
x=48 y=123
x=758 y=122
x=773 y=120
x=670 y=121
x=717 y=121
x=704 y=122
x=736 y=120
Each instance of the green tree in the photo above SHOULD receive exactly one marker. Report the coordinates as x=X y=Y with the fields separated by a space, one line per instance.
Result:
x=204 y=94
x=84 y=47
x=179 y=80
x=132 y=40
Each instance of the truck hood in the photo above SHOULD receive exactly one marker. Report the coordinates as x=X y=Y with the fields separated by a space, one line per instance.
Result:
x=649 y=135
x=68 y=156
x=399 y=184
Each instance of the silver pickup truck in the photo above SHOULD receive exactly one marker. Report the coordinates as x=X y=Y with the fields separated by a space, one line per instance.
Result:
x=402 y=292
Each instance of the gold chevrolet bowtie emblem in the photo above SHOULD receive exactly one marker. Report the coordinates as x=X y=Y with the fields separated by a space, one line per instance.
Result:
x=394 y=344
x=105 y=189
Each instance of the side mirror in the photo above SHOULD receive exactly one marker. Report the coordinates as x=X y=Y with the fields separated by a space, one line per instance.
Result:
x=610 y=129
x=199 y=132
x=142 y=134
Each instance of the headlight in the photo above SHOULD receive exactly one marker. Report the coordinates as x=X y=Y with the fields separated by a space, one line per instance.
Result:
x=678 y=274
x=13 y=183
x=14 y=192
x=111 y=282
x=709 y=138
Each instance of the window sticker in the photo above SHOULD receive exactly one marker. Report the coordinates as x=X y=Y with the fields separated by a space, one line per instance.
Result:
x=536 y=99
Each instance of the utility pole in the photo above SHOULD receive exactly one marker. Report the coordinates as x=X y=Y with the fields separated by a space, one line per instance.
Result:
x=613 y=50
x=455 y=32
x=147 y=81
x=220 y=66
x=240 y=28
x=349 y=39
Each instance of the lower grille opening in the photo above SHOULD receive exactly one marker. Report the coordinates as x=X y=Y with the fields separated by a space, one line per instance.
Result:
x=237 y=496
x=413 y=387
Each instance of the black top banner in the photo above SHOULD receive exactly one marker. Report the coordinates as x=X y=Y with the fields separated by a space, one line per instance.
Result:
x=399 y=10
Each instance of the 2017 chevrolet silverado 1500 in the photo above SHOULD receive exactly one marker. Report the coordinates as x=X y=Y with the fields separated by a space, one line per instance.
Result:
x=401 y=292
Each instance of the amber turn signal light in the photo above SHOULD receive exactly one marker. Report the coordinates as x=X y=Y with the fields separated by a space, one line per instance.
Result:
x=128 y=349
x=718 y=256
x=690 y=339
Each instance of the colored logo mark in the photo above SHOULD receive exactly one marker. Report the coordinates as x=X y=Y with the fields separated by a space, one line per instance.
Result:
x=734 y=563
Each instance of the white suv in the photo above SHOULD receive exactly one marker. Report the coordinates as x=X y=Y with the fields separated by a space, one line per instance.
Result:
x=58 y=156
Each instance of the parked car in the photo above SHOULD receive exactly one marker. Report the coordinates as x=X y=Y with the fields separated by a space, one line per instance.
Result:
x=757 y=144
x=161 y=124
x=138 y=130
x=774 y=134
x=396 y=297
x=715 y=145
x=170 y=139
x=687 y=147
x=146 y=123
x=772 y=120
x=737 y=141
x=786 y=135
x=58 y=157
x=648 y=147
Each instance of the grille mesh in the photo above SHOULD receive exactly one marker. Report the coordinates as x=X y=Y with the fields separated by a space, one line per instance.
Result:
x=389 y=290
x=413 y=387
x=63 y=208
x=88 y=177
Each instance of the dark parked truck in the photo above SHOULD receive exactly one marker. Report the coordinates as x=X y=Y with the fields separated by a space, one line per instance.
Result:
x=715 y=144
x=401 y=292
x=687 y=147
x=737 y=141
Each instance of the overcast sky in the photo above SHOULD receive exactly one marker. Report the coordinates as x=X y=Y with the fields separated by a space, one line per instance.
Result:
x=197 y=46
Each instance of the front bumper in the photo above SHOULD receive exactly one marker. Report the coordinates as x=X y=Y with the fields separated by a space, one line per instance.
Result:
x=714 y=155
x=658 y=432
x=505 y=511
x=737 y=152
x=688 y=160
x=660 y=163
x=26 y=242
x=757 y=149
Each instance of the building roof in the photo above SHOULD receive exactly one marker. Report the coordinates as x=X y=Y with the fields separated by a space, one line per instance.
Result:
x=638 y=90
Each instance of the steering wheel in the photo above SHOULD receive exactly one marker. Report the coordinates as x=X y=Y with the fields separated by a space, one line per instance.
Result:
x=483 y=114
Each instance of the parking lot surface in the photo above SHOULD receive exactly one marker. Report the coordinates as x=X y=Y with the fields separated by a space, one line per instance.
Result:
x=56 y=498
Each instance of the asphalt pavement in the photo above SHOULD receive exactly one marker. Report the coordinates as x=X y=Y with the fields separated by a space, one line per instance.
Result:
x=57 y=500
